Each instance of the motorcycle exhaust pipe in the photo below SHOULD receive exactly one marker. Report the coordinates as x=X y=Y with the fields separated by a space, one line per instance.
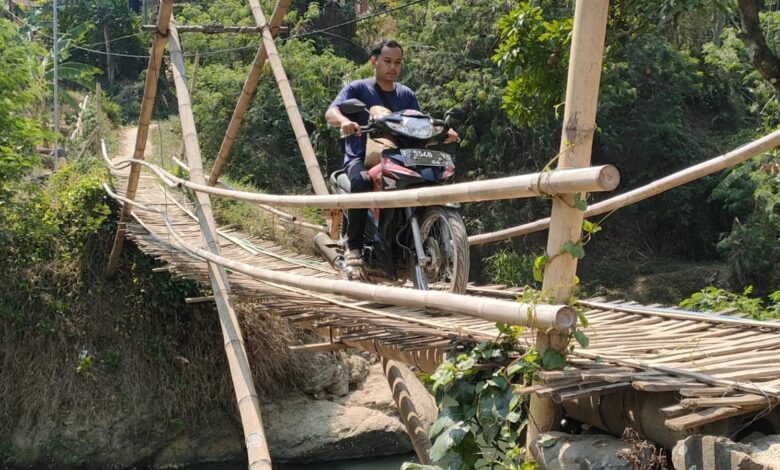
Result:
x=324 y=244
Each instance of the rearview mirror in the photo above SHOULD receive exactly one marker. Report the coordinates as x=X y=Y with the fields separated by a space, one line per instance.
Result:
x=455 y=114
x=352 y=106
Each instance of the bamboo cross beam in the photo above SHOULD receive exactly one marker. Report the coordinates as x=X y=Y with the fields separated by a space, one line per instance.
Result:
x=150 y=92
x=217 y=29
x=301 y=135
x=714 y=165
x=246 y=395
x=246 y=95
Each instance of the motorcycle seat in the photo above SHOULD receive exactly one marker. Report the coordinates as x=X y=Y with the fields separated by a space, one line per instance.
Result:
x=339 y=178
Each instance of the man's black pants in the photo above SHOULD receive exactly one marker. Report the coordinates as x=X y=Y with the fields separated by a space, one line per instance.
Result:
x=356 y=218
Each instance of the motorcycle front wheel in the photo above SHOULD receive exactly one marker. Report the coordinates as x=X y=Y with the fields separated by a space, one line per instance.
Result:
x=445 y=242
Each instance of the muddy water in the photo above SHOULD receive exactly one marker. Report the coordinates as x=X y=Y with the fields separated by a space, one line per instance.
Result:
x=392 y=462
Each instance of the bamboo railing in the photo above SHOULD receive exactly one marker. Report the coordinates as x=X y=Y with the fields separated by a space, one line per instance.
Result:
x=714 y=165
x=600 y=178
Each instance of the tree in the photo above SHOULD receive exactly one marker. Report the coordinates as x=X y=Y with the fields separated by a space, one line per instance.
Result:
x=18 y=91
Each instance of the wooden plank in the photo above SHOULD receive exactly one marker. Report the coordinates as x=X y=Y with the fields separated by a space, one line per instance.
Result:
x=559 y=397
x=738 y=401
x=706 y=392
x=318 y=347
x=706 y=416
x=670 y=386
x=673 y=411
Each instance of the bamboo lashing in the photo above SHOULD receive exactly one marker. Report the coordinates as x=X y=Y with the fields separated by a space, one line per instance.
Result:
x=579 y=125
x=714 y=165
x=147 y=105
x=599 y=178
x=245 y=97
x=246 y=396
x=301 y=135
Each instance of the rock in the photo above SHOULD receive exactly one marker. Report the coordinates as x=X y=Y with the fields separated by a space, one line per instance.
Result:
x=218 y=440
x=561 y=451
x=304 y=430
x=323 y=372
x=358 y=368
x=375 y=393
x=713 y=453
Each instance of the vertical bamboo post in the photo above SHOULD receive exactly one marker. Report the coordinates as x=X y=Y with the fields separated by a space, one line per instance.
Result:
x=246 y=95
x=309 y=158
x=193 y=78
x=150 y=92
x=98 y=116
x=246 y=396
x=579 y=122
x=403 y=400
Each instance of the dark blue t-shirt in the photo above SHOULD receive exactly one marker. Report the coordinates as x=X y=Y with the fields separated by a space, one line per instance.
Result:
x=366 y=90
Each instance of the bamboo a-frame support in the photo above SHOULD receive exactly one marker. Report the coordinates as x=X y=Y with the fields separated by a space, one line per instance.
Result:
x=246 y=396
x=246 y=95
x=150 y=92
x=714 y=165
x=579 y=125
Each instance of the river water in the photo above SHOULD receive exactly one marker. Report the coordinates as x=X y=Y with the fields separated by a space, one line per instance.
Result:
x=392 y=462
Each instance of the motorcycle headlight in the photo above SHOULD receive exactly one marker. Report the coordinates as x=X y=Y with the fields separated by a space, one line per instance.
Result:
x=413 y=127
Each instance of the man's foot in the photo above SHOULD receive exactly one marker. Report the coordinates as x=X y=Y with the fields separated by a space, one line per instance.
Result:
x=355 y=258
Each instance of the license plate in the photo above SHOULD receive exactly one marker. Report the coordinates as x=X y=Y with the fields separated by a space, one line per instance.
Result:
x=425 y=157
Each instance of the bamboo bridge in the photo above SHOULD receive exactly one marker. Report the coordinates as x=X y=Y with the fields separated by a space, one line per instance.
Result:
x=723 y=370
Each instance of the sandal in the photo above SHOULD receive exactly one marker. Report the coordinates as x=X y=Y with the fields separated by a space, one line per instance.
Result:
x=355 y=257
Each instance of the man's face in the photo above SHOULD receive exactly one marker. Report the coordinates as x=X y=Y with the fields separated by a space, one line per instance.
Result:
x=388 y=64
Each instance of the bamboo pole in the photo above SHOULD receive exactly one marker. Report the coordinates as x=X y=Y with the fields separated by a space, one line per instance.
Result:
x=246 y=95
x=98 y=116
x=301 y=136
x=246 y=396
x=714 y=165
x=150 y=92
x=409 y=416
x=213 y=29
x=603 y=178
x=193 y=78
x=579 y=124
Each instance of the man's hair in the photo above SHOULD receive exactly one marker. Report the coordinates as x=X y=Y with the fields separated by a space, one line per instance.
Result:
x=376 y=50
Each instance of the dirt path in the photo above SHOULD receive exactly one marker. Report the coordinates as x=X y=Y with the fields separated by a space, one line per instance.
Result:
x=126 y=148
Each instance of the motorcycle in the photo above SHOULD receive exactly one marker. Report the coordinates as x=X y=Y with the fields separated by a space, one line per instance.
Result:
x=428 y=245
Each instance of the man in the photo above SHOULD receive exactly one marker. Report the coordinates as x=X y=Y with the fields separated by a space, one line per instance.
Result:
x=381 y=90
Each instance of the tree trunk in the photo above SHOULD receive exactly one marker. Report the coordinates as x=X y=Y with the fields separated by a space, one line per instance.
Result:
x=764 y=60
x=109 y=57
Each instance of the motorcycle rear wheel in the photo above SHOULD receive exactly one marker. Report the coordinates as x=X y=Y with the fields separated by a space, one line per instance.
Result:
x=445 y=241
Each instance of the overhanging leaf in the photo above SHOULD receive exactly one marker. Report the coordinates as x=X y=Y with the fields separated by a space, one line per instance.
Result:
x=552 y=359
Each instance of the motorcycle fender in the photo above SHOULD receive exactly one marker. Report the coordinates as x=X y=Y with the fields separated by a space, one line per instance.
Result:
x=454 y=205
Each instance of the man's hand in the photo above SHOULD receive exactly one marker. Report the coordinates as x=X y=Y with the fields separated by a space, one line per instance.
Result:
x=452 y=136
x=349 y=128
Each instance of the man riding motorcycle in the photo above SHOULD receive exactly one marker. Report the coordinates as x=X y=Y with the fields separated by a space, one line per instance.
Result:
x=381 y=91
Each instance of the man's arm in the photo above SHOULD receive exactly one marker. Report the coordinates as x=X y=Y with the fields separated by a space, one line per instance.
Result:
x=336 y=119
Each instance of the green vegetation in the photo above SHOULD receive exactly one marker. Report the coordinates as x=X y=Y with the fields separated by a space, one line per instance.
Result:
x=713 y=299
